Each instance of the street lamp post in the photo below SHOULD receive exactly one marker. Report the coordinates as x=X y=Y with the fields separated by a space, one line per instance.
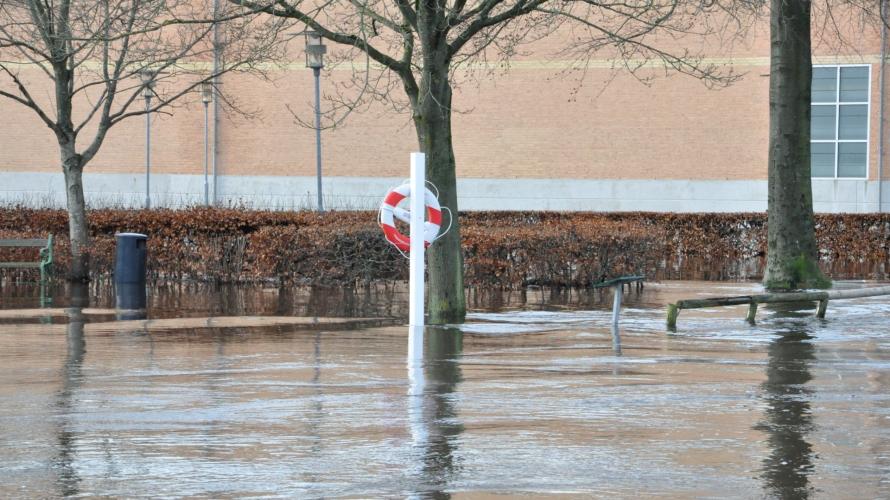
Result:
x=206 y=98
x=148 y=84
x=315 y=50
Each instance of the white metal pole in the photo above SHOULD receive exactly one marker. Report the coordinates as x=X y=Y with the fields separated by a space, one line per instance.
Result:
x=415 y=359
x=147 y=151
x=616 y=311
x=416 y=273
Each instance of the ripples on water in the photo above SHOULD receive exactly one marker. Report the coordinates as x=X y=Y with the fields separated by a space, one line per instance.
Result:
x=527 y=397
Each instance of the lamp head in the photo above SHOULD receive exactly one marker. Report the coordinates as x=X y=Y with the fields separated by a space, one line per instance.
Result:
x=148 y=82
x=315 y=50
x=206 y=92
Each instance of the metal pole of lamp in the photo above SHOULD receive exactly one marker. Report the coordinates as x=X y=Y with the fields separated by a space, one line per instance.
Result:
x=148 y=84
x=206 y=98
x=315 y=50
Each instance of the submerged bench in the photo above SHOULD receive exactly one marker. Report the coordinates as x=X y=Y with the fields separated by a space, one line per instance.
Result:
x=822 y=297
x=45 y=257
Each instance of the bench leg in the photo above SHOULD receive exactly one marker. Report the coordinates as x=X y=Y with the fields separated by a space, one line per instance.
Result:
x=44 y=275
x=752 y=312
x=820 y=311
x=672 y=312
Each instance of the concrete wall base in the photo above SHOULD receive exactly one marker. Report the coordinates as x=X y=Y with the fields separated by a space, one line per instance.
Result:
x=352 y=193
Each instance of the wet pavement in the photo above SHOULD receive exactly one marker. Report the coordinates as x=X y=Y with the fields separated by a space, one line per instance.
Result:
x=527 y=398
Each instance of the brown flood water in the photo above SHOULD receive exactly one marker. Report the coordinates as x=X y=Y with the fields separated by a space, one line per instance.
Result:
x=527 y=398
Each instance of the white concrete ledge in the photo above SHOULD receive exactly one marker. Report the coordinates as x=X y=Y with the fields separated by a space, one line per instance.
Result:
x=353 y=193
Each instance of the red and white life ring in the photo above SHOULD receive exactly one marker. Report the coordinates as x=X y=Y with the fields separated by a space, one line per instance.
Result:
x=389 y=211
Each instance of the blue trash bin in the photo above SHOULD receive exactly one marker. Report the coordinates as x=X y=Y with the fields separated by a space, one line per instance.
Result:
x=129 y=270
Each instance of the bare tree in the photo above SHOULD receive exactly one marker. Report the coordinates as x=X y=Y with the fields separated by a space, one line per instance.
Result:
x=82 y=65
x=419 y=47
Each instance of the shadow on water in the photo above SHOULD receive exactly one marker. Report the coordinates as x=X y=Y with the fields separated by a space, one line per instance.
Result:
x=788 y=416
x=433 y=418
x=72 y=378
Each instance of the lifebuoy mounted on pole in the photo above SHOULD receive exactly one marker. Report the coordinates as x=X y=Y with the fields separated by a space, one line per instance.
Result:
x=389 y=211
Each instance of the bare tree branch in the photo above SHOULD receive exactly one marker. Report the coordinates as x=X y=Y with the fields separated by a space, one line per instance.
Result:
x=26 y=99
x=91 y=53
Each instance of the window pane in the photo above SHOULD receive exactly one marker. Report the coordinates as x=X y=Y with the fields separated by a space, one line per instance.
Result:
x=822 y=159
x=851 y=159
x=822 y=123
x=854 y=84
x=824 y=84
x=853 y=122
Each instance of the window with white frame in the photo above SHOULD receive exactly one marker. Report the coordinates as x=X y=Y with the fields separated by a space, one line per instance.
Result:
x=839 y=121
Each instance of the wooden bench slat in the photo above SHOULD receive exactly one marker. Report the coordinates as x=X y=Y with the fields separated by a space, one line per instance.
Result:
x=24 y=243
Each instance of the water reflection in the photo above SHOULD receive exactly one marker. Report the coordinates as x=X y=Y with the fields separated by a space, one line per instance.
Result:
x=788 y=417
x=72 y=378
x=231 y=411
x=372 y=300
x=544 y=298
x=316 y=417
x=433 y=418
x=369 y=300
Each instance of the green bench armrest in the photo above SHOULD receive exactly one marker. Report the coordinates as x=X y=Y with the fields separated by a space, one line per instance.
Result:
x=46 y=253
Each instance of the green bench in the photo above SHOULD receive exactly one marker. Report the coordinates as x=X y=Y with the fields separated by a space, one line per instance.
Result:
x=45 y=258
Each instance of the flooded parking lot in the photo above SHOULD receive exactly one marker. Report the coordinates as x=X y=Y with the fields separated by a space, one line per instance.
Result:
x=527 y=398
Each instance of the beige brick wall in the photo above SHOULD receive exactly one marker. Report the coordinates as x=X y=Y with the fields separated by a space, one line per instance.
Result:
x=532 y=122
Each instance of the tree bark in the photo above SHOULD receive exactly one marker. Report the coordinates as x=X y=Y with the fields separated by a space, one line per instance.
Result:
x=72 y=165
x=447 y=303
x=791 y=241
x=432 y=119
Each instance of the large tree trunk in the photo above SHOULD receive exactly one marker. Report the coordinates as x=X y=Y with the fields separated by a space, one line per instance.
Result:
x=72 y=165
x=432 y=118
x=792 y=252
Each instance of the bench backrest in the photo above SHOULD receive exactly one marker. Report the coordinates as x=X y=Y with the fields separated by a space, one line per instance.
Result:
x=31 y=242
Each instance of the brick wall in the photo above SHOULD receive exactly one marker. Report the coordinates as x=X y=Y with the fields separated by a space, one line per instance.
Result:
x=536 y=121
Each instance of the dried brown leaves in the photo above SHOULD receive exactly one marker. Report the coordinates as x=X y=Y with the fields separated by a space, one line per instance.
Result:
x=502 y=249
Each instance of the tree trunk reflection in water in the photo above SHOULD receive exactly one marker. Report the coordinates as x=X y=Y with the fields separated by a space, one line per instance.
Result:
x=68 y=479
x=788 y=417
x=316 y=418
x=433 y=417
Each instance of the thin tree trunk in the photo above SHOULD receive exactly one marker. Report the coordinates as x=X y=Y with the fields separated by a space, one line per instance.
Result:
x=791 y=241
x=446 y=303
x=77 y=218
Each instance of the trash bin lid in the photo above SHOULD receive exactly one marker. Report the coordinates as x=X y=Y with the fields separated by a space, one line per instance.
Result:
x=130 y=235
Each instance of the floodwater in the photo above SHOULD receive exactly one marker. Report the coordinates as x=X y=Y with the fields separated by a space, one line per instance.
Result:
x=528 y=398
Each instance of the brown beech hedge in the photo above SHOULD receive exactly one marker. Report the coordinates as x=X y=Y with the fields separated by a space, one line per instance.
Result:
x=503 y=249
